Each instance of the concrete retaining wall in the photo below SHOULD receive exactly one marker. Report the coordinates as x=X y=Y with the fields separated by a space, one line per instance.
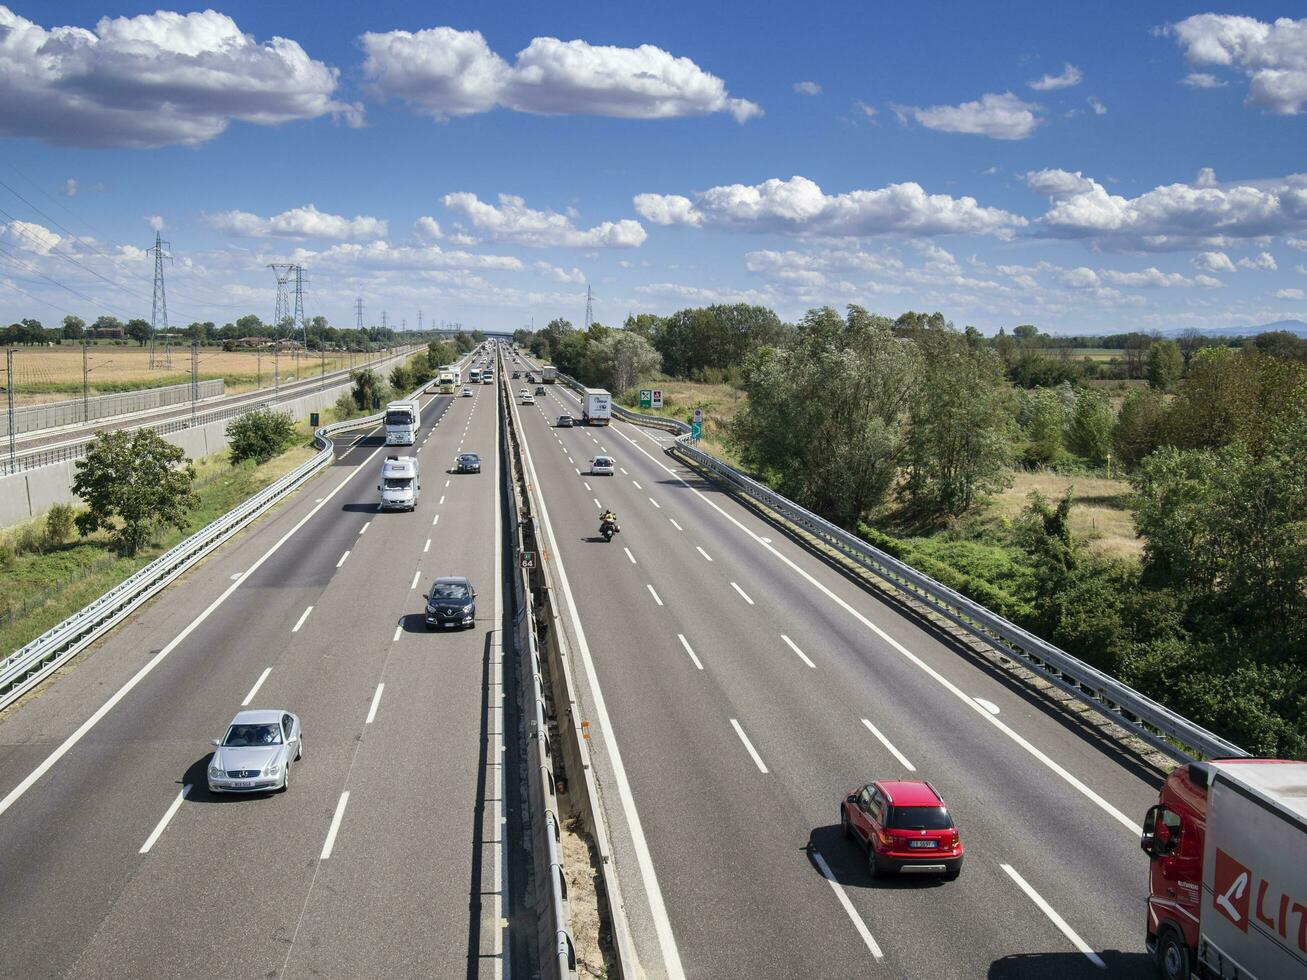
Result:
x=49 y=415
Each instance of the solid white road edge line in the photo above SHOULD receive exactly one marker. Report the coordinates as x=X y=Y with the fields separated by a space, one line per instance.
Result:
x=163 y=821
x=743 y=595
x=300 y=622
x=757 y=759
x=903 y=759
x=686 y=643
x=653 y=593
x=801 y=655
x=648 y=876
x=140 y=675
x=255 y=689
x=376 y=700
x=1053 y=917
x=840 y=894
x=1129 y=823
x=334 y=829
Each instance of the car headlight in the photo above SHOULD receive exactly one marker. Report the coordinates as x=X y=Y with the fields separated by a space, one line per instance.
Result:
x=217 y=772
x=272 y=769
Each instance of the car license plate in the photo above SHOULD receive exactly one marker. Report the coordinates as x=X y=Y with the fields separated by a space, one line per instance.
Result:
x=242 y=783
x=923 y=843
x=449 y=624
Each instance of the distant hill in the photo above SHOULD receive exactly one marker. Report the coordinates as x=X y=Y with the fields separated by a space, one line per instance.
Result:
x=1296 y=327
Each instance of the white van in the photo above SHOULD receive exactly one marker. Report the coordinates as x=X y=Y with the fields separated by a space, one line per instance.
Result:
x=399 y=484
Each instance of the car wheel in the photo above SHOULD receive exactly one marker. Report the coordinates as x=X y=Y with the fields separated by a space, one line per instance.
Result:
x=285 y=780
x=877 y=869
x=951 y=874
x=299 y=750
x=844 y=824
x=1173 y=956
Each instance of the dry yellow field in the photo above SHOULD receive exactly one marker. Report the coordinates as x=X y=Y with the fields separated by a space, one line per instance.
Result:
x=45 y=374
x=1101 y=508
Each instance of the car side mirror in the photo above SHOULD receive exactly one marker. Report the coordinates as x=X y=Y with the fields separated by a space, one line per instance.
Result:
x=215 y=742
x=851 y=798
x=378 y=486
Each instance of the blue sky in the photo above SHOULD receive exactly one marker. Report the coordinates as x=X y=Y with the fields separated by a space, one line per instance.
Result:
x=1128 y=166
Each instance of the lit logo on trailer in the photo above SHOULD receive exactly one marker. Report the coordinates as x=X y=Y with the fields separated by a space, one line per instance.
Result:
x=1232 y=891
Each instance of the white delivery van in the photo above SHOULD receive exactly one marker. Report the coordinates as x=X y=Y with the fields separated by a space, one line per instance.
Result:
x=399 y=484
x=403 y=419
x=596 y=407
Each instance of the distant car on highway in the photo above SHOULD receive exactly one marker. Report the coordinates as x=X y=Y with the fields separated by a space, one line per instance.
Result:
x=540 y=389
x=467 y=391
x=517 y=374
x=566 y=421
x=904 y=826
x=451 y=602
x=527 y=397
x=256 y=753
x=468 y=463
x=602 y=466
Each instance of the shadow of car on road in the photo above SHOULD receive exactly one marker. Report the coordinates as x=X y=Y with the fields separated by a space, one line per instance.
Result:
x=847 y=860
x=1070 y=966
x=198 y=778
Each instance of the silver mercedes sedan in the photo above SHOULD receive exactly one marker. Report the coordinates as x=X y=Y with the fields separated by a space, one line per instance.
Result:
x=256 y=753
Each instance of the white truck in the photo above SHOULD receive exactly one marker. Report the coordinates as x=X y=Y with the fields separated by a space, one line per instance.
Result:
x=399 y=484
x=1227 y=893
x=474 y=376
x=596 y=407
x=403 y=419
x=548 y=374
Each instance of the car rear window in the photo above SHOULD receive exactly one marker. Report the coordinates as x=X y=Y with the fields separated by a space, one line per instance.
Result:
x=919 y=818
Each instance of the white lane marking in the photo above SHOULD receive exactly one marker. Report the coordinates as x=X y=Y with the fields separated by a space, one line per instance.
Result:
x=416 y=575
x=578 y=470
x=686 y=643
x=237 y=576
x=435 y=520
x=163 y=821
x=398 y=630
x=572 y=461
x=989 y=706
x=675 y=525
x=257 y=684
x=365 y=527
x=594 y=440
x=630 y=556
x=799 y=653
x=653 y=593
x=376 y=700
x=596 y=500
x=623 y=469
x=637 y=486
x=1127 y=822
x=649 y=877
x=587 y=486
x=702 y=552
x=903 y=759
x=342 y=559
x=334 y=829
x=446 y=484
x=743 y=595
x=757 y=759
x=441 y=501
x=655 y=503
x=300 y=622
x=1056 y=919
x=426 y=547
x=858 y=924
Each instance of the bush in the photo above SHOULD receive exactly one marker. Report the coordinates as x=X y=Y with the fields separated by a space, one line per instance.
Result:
x=58 y=525
x=30 y=540
x=259 y=435
x=345 y=407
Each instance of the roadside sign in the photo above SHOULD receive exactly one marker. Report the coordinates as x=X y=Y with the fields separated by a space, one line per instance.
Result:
x=696 y=430
x=527 y=559
x=698 y=415
x=646 y=398
x=656 y=398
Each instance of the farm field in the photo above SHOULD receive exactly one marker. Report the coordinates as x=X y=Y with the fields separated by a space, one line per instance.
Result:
x=1101 y=512
x=45 y=374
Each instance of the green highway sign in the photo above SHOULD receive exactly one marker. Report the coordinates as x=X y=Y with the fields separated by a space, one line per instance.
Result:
x=646 y=398
x=696 y=429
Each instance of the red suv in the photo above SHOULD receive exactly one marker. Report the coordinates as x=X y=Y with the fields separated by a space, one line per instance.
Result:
x=905 y=826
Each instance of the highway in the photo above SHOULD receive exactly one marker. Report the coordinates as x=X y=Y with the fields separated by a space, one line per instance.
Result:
x=738 y=686
x=385 y=856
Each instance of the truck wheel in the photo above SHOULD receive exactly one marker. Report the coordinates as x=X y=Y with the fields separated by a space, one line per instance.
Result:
x=1173 y=956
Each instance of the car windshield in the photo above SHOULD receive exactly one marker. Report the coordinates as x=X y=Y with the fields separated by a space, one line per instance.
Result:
x=470 y=458
x=448 y=591
x=248 y=735
x=399 y=418
x=920 y=818
x=397 y=483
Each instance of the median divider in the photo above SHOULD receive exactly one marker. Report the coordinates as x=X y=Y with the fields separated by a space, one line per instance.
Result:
x=560 y=773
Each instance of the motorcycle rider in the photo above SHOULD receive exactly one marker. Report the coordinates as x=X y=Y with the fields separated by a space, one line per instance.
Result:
x=608 y=519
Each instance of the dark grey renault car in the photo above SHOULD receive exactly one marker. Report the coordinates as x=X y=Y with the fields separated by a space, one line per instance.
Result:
x=451 y=602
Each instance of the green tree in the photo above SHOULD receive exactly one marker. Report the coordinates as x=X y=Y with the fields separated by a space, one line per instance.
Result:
x=74 y=327
x=133 y=483
x=1165 y=364
x=646 y=325
x=1139 y=426
x=623 y=358
x=401 y=378
x=1044 y=427
x=1089 y=431
x=107 y=323
x=440 y=353
x=259 y=435
x=138 y=330
x=368 y=390
x=961 y=424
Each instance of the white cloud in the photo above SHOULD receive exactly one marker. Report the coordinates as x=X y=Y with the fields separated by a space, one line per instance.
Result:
x=1173 y=216
x=807 y=88
x=298 y=223
x=573 y=275
x=1213 y=262
x=1272 y=56
x=153 y=80
x=427 y=229
x=155 y=221
x=1001 y=117
x=381 y=255
x=798 y=206
x=1290 y=294
x=443 y=72
x=1200 y=79
x=702 y=294
x=1097 y=106
x=1299 y=243
x=1071 y=75
x=30 y=237
x=1263 y=261
x=870 y=111
x=70 y=187
x=1155 y=278
x=513 y=221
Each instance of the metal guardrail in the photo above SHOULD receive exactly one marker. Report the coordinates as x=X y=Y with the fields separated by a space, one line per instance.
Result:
x=1159 y=726
x=79 y=411
x=35 y=458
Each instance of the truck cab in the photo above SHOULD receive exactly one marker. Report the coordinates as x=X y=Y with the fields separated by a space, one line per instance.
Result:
x=402 y=422
x=399 y=484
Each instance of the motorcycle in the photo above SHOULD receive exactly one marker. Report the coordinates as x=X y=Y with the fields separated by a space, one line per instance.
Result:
x=607 y=529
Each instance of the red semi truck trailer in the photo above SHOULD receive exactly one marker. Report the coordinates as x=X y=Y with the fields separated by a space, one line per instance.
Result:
x=1227 y=878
